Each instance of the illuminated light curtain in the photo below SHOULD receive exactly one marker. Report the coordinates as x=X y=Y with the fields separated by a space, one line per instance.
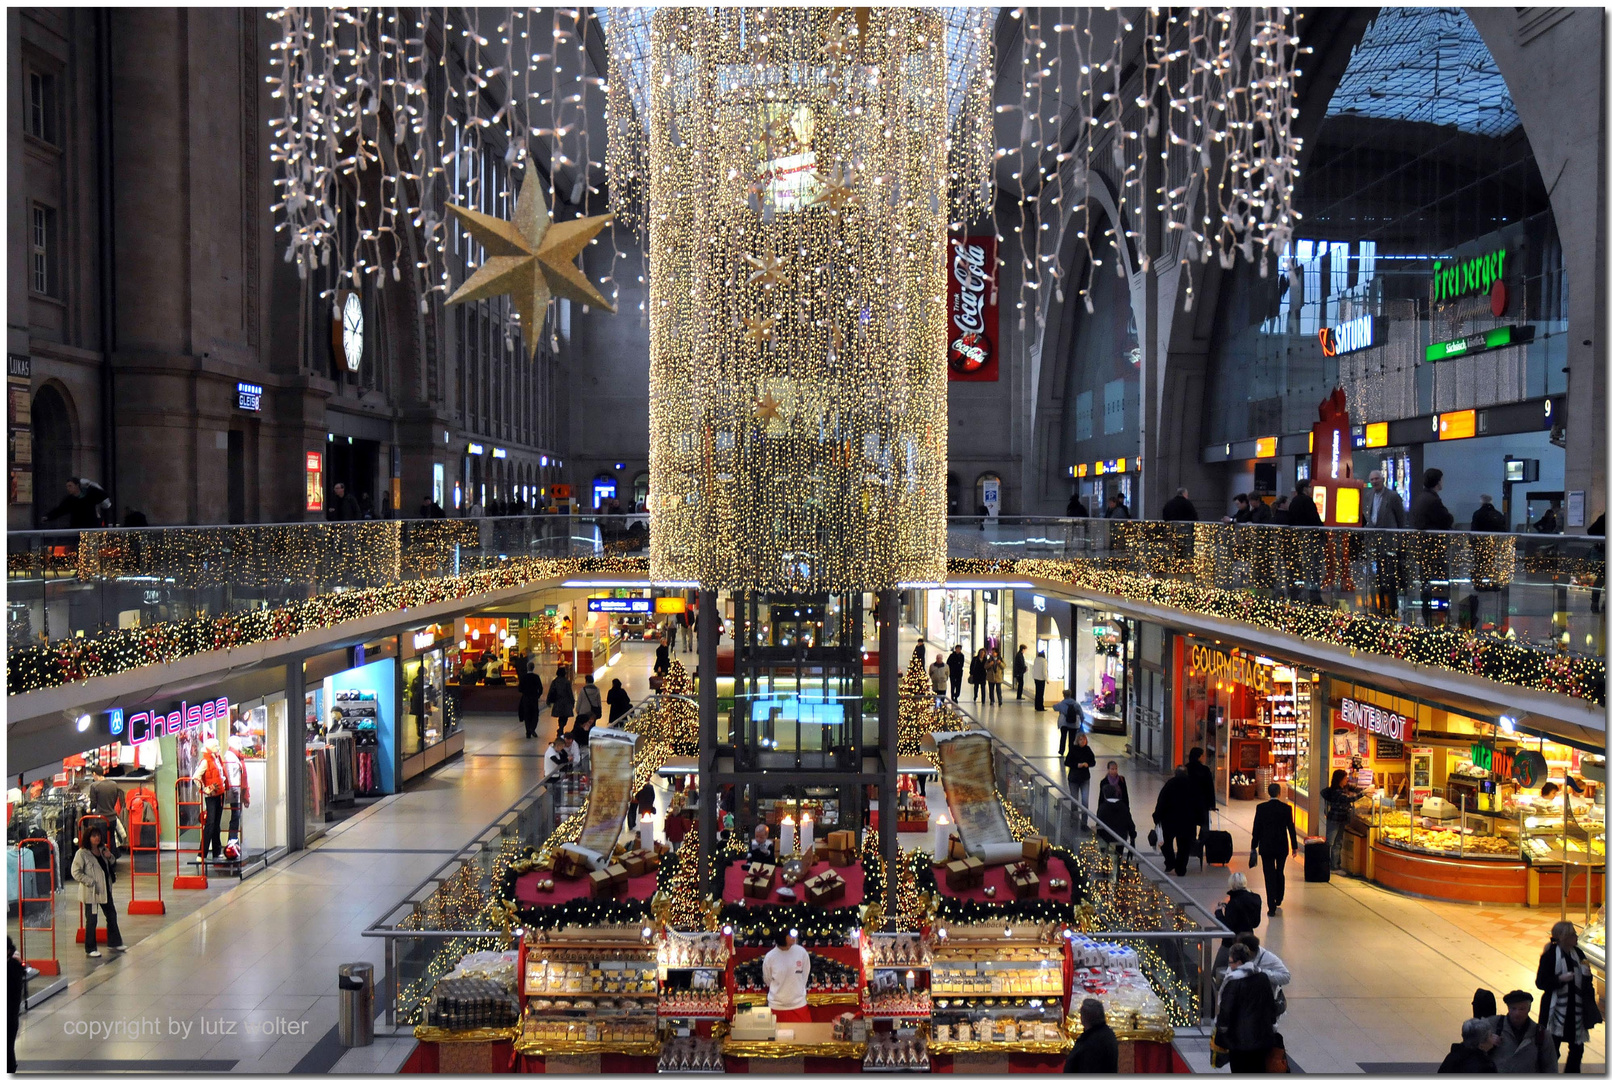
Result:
x=797 y=166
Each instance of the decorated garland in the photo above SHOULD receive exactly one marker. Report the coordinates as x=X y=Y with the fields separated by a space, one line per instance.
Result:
x=110 y=651
x=1490 y=656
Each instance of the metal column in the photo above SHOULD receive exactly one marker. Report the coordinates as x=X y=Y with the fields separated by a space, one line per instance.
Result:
x=295 y=751
x=710 y=794
x=889 y=738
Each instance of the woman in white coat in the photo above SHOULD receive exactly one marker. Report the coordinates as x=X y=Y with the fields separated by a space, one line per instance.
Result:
x=95 y=869
x=1038 y=672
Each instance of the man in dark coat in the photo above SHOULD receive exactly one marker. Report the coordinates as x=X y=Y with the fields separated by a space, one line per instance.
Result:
x=1306 y=547
x=1203 y=781
x=1179 y=508
x=1301 y=507
x=1486 y=518
x=1427 y=510
x=530 y=685
x=1471 y=1054
x=343 y=507
x=1385 y=510
x=1096 y=1050
x=1274 y=832
x=954 y=665
x=83 y=505
x=1076 y=508
x=1176 y=815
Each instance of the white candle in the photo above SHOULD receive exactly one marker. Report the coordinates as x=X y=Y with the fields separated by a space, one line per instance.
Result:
x=807 y=833
x=786 y=837
x=943 y=837
x=646 y=832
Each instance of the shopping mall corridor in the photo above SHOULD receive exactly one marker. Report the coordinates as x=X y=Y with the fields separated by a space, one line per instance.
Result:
x=265 y=952
x=1381 y=981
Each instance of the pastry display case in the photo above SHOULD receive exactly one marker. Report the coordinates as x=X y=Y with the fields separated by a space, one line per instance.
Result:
x=998 y=988
x=588 y=991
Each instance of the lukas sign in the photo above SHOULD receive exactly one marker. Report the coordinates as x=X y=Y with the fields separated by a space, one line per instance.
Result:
x=971 y=310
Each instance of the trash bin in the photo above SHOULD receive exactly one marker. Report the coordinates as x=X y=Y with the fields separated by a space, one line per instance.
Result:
x=356 y=1022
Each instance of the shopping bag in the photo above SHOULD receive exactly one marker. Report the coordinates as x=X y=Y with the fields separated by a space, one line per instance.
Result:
x=1218 y=1058
x=1276 y=1056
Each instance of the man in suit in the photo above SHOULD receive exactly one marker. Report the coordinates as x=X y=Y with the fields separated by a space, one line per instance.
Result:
x=1273 y=832
x=1385 y=510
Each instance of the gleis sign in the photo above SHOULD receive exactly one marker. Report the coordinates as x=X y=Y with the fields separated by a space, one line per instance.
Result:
x=971 y=310
x=144 y=726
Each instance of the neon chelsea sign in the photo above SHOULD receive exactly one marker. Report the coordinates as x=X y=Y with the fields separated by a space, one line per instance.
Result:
x=144 y=726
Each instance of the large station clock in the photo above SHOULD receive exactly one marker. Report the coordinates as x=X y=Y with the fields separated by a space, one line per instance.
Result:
x=348 y=329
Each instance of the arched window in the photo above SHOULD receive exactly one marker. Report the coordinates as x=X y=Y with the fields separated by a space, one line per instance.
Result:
x=53 y=448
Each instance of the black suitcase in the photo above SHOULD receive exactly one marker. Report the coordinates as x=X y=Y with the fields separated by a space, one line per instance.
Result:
x=1217 y=847
x=1317 y=861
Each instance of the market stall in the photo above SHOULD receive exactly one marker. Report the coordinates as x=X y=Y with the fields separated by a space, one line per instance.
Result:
x=1457 y=807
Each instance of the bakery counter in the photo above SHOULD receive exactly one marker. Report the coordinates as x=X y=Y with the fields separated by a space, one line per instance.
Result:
x=1441 y=877
x=795 y=1040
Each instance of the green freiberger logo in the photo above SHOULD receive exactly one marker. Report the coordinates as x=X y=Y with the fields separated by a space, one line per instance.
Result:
x=1477 y=275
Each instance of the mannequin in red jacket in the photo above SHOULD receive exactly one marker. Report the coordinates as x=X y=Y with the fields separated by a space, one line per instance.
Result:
x=214 y=783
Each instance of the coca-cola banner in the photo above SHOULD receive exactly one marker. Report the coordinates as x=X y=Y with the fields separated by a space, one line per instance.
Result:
x=971 y=310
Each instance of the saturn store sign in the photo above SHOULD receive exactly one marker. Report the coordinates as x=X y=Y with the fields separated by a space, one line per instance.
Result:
x=1389 y=725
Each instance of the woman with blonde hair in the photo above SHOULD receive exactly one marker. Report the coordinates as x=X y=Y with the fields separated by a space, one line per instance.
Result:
x=1240 y=914
x=1567 y=1008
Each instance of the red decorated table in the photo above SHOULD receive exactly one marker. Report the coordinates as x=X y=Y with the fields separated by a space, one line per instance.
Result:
x=567 y=889
x=733 y=886
x=996 y=876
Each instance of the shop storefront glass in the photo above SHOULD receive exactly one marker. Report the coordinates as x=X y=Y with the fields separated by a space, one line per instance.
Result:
x=350 y=723
x=1102 y=650
x=1469 y=808
x=1248 y=712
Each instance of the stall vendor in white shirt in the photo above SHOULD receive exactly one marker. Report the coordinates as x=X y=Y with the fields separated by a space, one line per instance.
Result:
x=786 y=970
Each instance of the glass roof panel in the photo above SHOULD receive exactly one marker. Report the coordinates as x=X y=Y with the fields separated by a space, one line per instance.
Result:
x=627 y=32
x=1426 y=65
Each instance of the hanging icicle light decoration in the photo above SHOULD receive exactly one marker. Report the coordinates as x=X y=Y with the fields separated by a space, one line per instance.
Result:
x=1188 y=112
x=389 y=114
x=793 y=171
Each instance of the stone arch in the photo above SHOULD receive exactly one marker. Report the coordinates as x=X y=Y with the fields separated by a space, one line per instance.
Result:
x=55 y=445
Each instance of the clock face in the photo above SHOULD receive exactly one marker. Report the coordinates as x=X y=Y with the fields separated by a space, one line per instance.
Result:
x=352 y=331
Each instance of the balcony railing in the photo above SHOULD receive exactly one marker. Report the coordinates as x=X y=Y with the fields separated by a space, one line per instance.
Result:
x=1517 y=607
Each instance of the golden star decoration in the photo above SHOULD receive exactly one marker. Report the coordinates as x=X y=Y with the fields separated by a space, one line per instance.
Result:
x=758 y=330
x=767 y=407
x=836 y=190
x=767 y=271
x=529 y=258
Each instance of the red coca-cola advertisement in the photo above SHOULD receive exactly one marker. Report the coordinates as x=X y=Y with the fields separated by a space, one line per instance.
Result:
x=971 y=310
